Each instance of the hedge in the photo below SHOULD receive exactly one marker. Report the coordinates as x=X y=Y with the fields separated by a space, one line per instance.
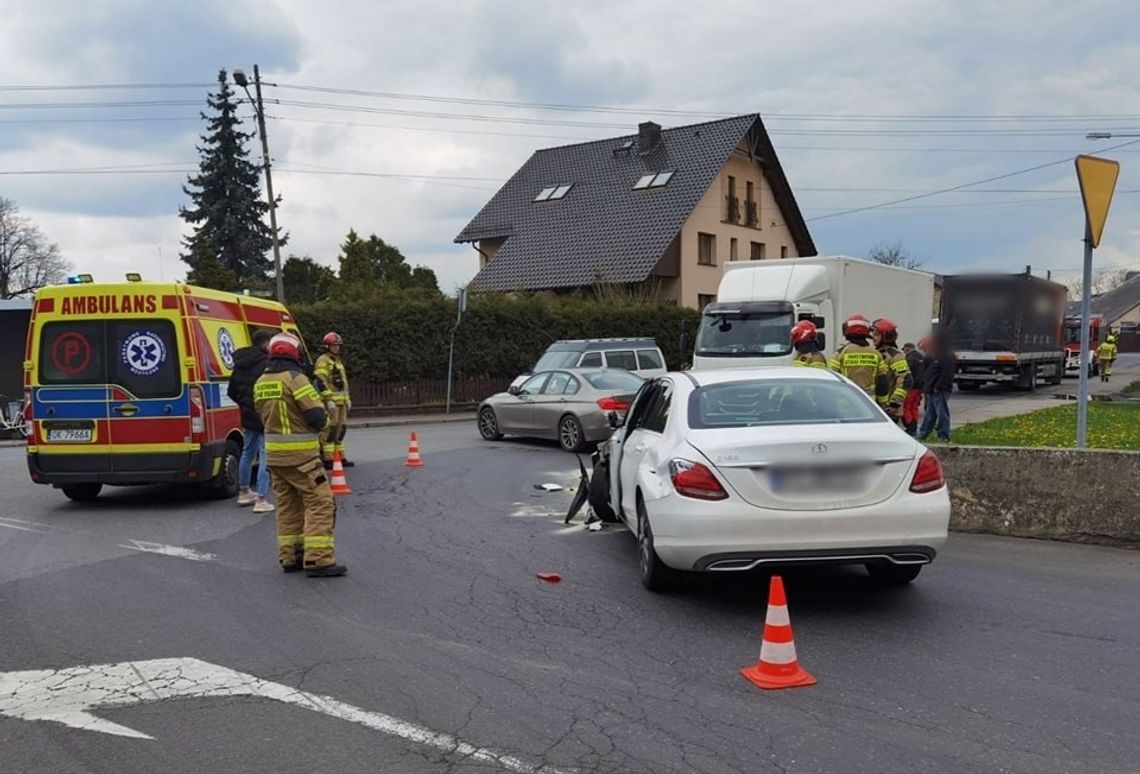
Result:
x=402 y=337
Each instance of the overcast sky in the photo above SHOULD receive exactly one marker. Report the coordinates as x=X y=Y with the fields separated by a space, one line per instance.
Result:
x=948 y=75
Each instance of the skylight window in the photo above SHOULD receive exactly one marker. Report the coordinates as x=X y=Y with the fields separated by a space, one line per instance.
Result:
x=656 y=180
x=553 y=192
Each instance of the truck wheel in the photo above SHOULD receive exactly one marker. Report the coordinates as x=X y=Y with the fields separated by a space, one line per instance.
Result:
x=1028 y=378
x=82 y=493
x=1057 y=377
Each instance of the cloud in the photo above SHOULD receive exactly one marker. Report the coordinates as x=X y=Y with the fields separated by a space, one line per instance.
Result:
x=816 y=71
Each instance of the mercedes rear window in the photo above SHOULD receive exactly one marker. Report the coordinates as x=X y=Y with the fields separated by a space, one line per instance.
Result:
x=757 y=403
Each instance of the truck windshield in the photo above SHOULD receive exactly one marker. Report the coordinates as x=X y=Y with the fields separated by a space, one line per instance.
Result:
x=751 y=334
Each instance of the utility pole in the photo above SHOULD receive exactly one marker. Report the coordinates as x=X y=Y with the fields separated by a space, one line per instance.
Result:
x=460 y=308
x=259 y=109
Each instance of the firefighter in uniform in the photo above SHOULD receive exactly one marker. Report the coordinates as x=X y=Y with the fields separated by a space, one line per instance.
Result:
x=806 y=341
x=329 y=371
x=293 y=415
x=1105 y=355
x=886 y=336
x=859 y=361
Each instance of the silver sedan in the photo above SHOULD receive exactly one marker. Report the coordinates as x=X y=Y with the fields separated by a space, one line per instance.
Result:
x=571 y=406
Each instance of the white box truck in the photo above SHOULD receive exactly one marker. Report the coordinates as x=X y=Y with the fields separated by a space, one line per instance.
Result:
x=758 y=302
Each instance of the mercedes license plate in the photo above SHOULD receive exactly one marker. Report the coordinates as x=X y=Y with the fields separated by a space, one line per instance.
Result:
x=69 y=435
x=815 y=480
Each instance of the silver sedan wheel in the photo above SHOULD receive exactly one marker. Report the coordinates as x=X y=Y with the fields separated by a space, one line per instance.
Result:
x=489 y=425
x=570 y=433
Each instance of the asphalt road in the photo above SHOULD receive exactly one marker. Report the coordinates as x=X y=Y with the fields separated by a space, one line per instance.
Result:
x=1005 y=655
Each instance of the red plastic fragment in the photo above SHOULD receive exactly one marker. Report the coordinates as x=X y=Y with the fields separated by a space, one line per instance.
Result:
x=550 y=577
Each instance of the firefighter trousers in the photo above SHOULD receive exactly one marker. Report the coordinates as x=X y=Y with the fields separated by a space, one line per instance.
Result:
x=306 y=514
x=1105 y=370
x=332 y=437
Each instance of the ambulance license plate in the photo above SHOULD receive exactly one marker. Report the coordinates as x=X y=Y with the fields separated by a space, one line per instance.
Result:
x=61 y=435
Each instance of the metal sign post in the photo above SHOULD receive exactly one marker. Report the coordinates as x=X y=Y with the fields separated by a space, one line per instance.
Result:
x=1097 y=177
x=460 y=308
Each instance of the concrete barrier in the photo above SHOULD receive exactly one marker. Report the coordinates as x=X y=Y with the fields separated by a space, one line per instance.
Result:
x=1089 y=496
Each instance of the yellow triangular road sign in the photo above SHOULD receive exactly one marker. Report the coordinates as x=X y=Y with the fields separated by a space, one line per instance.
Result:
x=1098 y=180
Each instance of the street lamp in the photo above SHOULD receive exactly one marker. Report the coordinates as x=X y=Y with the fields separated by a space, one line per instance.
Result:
x=259 y=108
x=1107 y=135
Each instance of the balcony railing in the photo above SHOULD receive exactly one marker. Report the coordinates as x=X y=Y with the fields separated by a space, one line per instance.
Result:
x=733 y=209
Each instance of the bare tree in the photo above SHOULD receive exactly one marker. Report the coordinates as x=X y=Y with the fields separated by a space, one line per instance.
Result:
x=27 y=260
x=1103 y=280
x=894 y=254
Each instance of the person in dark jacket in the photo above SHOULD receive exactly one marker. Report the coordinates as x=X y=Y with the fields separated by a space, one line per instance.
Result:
x=912 y=406
x=249 y=364
x=938 y=381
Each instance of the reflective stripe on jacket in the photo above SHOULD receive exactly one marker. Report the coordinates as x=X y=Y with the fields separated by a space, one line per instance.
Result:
x=901 y=379
x=863 y=365
x=330 y=371
x=292 y=413
x=811 y=360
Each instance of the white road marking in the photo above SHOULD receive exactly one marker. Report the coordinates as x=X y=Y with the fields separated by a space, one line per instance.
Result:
x=165 y=550
x=68 y=696
x=21 y=528
x=6 y=519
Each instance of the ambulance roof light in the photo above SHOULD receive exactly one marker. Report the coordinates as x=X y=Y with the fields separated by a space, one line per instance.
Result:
x=80 y=279
x=134 y=277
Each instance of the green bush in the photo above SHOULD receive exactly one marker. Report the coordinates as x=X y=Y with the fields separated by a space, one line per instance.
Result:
x=396 y=337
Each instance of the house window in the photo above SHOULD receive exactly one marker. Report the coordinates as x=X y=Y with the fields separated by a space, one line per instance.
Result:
x=757 y=253
x=783 y=251
x=654 y=180
x=751 y=208
x=704 y=299
x=553 y=192
x=732 y=249
x=706 y=249
x=732 y=212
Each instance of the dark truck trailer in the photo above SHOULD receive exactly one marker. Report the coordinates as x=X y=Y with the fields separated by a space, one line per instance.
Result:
x=1004 y=328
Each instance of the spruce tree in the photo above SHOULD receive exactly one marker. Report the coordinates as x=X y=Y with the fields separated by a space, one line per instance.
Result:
x=227 y=210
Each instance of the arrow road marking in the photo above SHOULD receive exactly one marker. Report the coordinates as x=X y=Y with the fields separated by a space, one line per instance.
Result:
x=68 y=696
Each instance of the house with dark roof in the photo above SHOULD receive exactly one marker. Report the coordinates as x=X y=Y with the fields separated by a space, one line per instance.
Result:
x=1119 y=310
x=664 y=206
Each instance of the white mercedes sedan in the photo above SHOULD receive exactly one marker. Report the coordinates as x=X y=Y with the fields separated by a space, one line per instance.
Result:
x=729 y=470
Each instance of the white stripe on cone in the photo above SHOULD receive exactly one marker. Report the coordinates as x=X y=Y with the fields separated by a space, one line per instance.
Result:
x=778 y=615
x=778 y=652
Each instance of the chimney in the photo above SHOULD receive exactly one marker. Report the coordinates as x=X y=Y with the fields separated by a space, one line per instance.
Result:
x=648 y=137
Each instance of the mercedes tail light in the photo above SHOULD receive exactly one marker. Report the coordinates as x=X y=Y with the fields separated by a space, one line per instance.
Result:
x=197 y=414
x=692 y=479
x=928 y=475
x=613 y=404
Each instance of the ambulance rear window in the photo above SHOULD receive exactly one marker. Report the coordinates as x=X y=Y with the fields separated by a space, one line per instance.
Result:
x=141 y=356
x=72 y=353
x=144 y=357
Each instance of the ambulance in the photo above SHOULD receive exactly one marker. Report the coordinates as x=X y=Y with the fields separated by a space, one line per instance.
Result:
x=126 y=384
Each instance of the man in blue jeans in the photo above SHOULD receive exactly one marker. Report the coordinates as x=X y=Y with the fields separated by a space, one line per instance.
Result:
x=938 y=382
x=249 y=364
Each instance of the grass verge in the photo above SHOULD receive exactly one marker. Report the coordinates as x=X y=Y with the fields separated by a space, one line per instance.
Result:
x=1110 y=426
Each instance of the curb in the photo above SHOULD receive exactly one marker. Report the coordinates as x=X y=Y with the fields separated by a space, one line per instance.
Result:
x=427 y=419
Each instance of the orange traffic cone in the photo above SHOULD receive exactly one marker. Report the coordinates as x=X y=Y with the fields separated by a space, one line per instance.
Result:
x=413 y=460
x=338 y=483
x=777 y=667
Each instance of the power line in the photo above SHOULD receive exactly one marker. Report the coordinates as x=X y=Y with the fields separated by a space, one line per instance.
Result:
x=100 y=105
x=950 y=189
x=706 y=113
x=110 y=86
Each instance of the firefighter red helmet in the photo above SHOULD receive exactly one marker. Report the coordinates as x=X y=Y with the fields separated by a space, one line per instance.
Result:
x=285 y=345
x=331 y=338
x=886 y=328
x=803 y=331
x=856 y=325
